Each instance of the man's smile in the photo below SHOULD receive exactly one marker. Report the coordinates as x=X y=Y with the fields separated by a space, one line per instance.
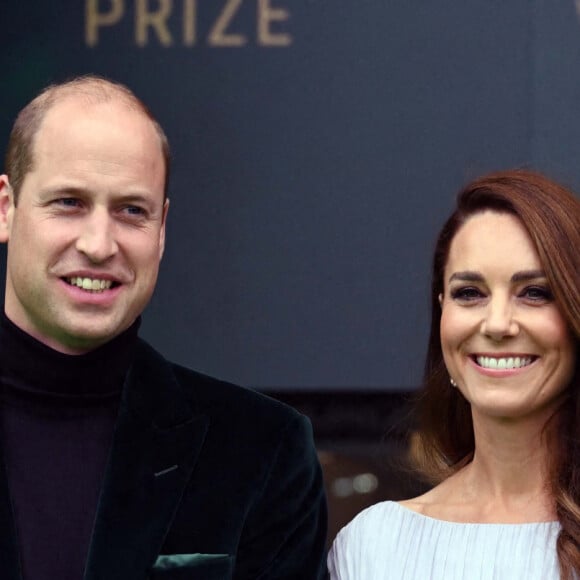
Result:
x=91 y=284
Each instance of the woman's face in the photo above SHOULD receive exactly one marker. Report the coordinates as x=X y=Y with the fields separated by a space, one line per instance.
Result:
x=504 y=341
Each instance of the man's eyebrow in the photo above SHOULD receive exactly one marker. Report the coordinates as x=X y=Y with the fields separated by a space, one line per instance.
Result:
x=64 y=190
x=472 y=276
x=132 y=197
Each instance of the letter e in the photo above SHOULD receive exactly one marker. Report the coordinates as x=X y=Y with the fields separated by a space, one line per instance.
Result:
x=266 y=15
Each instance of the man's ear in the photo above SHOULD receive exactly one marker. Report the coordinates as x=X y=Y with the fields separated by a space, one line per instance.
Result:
x=6 y=208
x=440 y=299
x=162 y=229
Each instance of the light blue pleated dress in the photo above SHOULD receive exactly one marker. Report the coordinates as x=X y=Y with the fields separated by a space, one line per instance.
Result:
x=389 y=541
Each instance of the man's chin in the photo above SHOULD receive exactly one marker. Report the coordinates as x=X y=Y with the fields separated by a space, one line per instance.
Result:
x=81 y=339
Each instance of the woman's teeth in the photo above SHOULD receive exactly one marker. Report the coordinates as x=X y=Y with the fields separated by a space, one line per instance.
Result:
x=516 y=362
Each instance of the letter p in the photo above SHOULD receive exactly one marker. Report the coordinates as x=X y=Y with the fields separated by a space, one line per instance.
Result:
x=96 y=19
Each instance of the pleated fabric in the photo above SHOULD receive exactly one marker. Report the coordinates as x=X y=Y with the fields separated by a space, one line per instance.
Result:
x=389 y=541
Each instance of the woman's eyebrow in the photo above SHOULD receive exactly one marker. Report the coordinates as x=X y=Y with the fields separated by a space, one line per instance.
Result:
x=472 y=276
x=528 y=275
x=466 y=276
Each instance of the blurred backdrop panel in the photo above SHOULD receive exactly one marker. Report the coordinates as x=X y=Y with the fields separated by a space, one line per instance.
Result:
x=317 y=147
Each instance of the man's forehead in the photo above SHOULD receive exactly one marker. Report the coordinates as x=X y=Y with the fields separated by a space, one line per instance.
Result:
x=79 y=139
x=73 y=108
x=107 y=112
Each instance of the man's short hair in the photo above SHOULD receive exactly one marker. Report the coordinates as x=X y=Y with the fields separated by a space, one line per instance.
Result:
x=95 y=89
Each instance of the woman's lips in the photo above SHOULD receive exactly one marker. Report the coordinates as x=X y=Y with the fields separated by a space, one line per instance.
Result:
x=504 y=362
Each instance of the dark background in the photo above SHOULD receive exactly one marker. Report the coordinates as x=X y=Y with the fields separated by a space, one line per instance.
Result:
x=314 y=162
x=310 y=179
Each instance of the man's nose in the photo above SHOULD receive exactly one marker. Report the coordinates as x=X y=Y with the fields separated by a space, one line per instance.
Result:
x=97 y=238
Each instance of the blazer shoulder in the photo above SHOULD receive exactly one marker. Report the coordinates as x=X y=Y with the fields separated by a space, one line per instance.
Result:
x=212 y=392
x=215 y=395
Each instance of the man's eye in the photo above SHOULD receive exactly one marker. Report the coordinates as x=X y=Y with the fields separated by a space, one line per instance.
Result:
x=67 y=202
x=466 y=293
x=134 y=210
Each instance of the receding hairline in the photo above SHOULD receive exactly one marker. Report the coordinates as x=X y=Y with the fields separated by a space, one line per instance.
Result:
x=93 y=90
x=89 y=90
x=84 y=103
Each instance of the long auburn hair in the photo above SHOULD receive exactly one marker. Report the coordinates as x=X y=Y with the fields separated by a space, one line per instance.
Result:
x=551 y=215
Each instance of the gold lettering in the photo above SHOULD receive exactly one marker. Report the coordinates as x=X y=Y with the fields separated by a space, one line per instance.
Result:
x=95 y=19
x=157 y=20
x=266 y=15
x=189 y=20
x=217 y=35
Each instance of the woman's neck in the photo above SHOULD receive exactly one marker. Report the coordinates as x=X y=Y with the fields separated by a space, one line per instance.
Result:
x=508 y=480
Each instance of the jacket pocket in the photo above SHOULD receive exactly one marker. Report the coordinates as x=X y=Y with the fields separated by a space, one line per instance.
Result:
x=193 y=567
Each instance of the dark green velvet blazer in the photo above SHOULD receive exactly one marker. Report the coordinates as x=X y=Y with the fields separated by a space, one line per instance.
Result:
x=205 y=481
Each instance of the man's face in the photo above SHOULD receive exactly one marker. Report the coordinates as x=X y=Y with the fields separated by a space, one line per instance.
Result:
x=88 y=231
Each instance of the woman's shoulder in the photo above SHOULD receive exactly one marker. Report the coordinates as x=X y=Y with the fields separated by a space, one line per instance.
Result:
x=373 y=514
x=378 y=520
x=432 y=503
x=396 y=540
x=363 y=543
x=385 y=540
x=376 y=514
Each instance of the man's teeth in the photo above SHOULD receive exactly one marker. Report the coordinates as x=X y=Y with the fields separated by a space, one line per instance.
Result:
x=515 y=362
x=92 y=284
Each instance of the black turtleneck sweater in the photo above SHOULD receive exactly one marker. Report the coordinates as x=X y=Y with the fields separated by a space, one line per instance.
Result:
x=57 y=417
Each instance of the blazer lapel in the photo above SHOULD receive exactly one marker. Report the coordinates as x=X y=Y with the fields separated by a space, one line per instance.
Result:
x=155 y=446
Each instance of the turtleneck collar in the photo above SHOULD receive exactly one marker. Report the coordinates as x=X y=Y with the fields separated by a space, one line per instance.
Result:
x=30 y=365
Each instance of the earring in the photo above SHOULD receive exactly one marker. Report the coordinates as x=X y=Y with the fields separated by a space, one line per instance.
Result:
x=453 y=383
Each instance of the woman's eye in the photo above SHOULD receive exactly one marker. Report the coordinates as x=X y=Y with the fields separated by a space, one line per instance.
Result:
x=466 y=293
x=537 y=294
